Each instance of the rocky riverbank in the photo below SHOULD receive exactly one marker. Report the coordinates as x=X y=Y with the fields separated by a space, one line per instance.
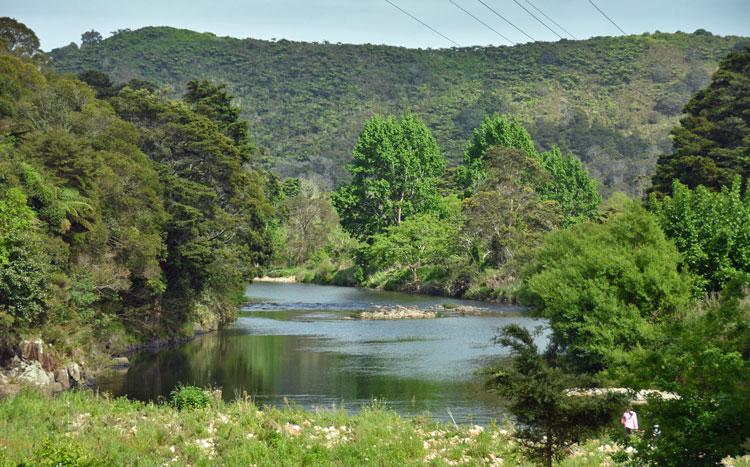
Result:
x=35 y=366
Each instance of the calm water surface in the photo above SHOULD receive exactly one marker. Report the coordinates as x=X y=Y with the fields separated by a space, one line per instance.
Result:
x=299 y=343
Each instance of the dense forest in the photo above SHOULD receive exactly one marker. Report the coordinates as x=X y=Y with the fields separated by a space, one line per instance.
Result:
x=609 y=100
x=124 y=219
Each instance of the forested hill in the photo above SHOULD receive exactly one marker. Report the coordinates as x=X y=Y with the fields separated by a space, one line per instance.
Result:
x=609 y=100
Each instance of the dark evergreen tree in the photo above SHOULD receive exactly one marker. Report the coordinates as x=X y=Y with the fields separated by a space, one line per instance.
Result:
x=712 y=142
x=548 y=416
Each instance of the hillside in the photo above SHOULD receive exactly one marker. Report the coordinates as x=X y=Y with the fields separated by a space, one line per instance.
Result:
x=610 y=100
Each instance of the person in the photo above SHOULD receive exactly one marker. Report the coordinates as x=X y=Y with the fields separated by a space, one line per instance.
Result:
x=629 y=419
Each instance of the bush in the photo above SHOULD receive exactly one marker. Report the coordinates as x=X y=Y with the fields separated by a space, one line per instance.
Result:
x=604 y=286
x=61 y=453
x=189 y=398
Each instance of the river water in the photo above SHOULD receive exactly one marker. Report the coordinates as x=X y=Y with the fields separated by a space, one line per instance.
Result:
x=298 y=344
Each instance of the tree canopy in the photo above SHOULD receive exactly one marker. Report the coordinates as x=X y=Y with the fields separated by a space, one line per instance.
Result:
x=711 y=231
x=395 y=167
x=495 y=131
x=135 y=213
x=712 y=142
x=18 y=38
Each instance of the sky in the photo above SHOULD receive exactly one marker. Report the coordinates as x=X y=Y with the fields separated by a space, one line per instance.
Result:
x=60 y=22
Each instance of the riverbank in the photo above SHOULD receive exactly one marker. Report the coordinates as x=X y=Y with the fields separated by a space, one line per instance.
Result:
x=483 y=289
x=85 y=429
x=41 y=366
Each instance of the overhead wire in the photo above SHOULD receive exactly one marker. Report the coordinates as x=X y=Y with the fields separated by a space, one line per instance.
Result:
x=605 y=15
x=551 y=20
x=536 y=18
x=424 y=24
x=506 y=20
x=482 y=22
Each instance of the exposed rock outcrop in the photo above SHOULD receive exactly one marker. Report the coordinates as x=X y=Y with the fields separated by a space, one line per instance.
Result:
x=37 y=368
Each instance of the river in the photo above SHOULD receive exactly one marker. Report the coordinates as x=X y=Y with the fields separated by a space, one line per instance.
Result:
x=298 y=344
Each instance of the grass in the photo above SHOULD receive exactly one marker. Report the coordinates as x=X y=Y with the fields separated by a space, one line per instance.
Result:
x=82 y=428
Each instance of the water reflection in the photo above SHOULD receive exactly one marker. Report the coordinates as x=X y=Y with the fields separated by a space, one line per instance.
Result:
x=316 y=357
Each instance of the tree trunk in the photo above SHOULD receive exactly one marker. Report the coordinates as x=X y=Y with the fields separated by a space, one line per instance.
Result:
x=548 y=450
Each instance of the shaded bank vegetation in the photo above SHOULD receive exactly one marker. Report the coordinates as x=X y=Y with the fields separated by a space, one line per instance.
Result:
x=126 y=218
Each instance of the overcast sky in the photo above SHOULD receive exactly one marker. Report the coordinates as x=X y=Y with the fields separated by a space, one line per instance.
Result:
x=59 y=22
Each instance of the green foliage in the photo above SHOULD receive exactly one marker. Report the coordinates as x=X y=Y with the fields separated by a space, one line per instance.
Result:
x=145 y=225
x=18 y=39
x=495 y=131
x=712 y=142
x=216 y=237
x=711 y=231
x=505 y=219
x=423 y=239
x=620 y=162
x=703 y=355
x=309 y=223
x=548 y=419
x=90 y=38
x=394 y=171
x=308 y=101
x=189 y=398
x=16 y=220
x=61 y=453
x=605 y=286
x=215 y=103
x=571 y=186
x=24 y=293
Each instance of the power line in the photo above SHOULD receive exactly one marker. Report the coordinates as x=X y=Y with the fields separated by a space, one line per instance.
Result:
x=552 y=20
x=479 y=20
x=605 y=15
x=536 y=18
x=424 y=24
x=506 y=20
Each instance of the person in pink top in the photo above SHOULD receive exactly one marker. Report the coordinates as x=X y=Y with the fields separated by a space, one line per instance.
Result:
x=629 y=419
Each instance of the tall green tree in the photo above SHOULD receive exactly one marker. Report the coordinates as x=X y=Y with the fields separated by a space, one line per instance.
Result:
x=216 y=235
x=506 y=218
x=496 y=130
x=570 y=185
x=396 y=165
x=90 y=38
x=712 y=142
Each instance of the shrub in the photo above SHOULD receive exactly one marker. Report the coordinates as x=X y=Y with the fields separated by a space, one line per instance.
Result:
x=604 y=286
x=189 y=397
x=61 y=453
